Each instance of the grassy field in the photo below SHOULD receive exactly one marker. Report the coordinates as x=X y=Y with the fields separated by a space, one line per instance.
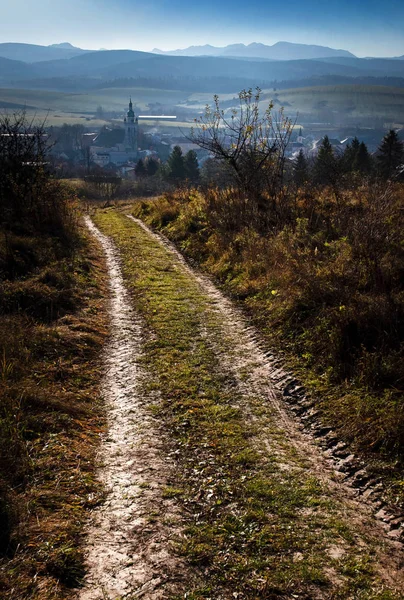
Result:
x=352 y=100
x=60 y=107
x=322 y=103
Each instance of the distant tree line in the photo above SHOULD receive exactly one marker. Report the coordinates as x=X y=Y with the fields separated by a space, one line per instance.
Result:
x=330 y=167
x=247 y=151
x=179 y=168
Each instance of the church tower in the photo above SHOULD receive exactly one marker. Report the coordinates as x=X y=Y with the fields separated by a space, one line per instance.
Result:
x=131 y=125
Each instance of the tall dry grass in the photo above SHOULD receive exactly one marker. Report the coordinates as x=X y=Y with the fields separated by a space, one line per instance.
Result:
x=324 y=281
x=49 y=343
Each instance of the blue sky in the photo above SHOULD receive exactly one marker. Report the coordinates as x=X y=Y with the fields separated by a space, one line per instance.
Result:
x=365 y=27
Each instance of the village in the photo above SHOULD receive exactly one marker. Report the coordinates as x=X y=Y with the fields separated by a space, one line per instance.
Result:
x=116 y=148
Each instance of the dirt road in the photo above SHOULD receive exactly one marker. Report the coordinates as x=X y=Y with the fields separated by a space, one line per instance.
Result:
x=213 y=488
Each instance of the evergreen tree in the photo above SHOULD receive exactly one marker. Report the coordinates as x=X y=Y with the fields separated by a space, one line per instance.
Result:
x=326 y=169
x=363 y=161
x=390 y=155
x=191 y=166
x=140 y=169
x=349 y=156
x=152 y=166
x=300 y=169
x=217 y=172
x=355 y=145
x=176 y=165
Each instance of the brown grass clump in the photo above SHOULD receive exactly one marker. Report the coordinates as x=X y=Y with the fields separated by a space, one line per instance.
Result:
x=52 y=326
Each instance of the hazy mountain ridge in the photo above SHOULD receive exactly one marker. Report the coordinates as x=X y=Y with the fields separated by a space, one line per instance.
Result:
x=15 y=68
x=90 y=69
x=278 y=51
x=130 y=63
x=65 y=45
x=33 y=53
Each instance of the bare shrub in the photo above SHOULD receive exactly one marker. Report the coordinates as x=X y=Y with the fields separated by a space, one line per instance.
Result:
x=30 y=200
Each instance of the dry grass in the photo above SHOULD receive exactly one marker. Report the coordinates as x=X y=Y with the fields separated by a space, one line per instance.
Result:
x=52 y=327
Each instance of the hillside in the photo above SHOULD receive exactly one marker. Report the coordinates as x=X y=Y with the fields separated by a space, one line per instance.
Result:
x=353 y=101
x=111 y=64
x=15 y=69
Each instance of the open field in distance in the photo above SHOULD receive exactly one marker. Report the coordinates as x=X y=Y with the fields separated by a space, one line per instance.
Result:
x=326 y=104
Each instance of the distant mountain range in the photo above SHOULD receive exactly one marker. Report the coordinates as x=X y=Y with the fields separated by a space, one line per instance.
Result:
x=64 y=67
x=279 y=51
x=32 y=53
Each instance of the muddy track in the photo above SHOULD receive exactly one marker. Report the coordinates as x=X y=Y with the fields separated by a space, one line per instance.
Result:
x=129 y=551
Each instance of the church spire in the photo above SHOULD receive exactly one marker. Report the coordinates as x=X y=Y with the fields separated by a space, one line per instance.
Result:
x=130 y=114
x=131 y=133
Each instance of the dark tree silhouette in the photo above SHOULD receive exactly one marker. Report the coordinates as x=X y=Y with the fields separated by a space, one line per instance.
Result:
x=390 y=155
x=326 y=166
x=362 y=162
x=350 y=153
x=176 y=165
x=300 y=169
x=140 y=169
x=152 y=166
x=30 y=200
x=191 y=166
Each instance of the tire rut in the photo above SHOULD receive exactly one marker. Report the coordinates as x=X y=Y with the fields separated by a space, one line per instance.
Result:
x=129 y=550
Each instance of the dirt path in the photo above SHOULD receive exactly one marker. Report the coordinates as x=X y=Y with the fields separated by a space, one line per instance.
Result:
x=313 y=525
x=129 y=551
x=256 y=374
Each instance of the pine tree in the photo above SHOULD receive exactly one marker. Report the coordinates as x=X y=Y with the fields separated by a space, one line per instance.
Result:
x=152 y=166
x=350 y=154
x=300 y=169
x=326 y=166
x=191 y=166
x=363 y=161
x=140 y=169
x=176 y=165
x=390 y=155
